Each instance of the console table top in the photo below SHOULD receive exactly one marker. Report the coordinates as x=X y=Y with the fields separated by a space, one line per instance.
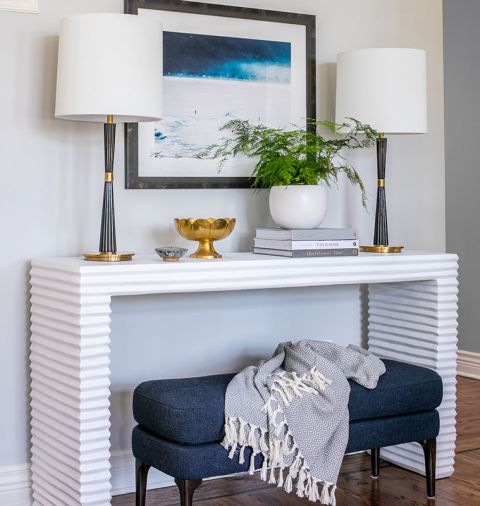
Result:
x=240 y=259
x=236 y=271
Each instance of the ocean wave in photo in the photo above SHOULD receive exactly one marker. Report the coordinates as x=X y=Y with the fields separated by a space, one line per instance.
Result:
x=218 y=57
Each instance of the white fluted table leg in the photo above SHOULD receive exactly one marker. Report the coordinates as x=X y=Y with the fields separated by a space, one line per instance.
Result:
x=416 y=322
x=70 y=370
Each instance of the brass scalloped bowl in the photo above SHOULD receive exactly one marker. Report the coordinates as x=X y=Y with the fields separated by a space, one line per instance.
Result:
x=205 y=231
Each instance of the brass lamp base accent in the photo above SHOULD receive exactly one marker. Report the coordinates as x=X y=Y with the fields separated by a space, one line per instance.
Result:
x=381 y=249
x=205 y=250
x=108 y=257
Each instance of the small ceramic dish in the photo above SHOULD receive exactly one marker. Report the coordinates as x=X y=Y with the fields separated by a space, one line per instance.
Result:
x=171 y=253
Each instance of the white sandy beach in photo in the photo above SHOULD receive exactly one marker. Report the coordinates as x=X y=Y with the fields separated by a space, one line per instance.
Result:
x=195 y=109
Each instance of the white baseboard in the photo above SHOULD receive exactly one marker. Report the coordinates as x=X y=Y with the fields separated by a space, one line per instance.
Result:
x=123 y=474
x=15 y=485
x=15 y=481
x=468 y=364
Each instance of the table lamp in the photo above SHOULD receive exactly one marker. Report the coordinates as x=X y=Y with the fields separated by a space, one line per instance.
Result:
x=387 y=89
x=109 y=71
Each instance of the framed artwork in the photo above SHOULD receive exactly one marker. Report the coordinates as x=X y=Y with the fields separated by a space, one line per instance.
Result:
x=19 y=5
x=219 y=63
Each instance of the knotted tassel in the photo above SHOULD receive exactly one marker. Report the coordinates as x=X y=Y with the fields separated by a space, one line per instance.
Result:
x=273 y=453
x=325 y=497
x=233 y=449
x=295 y=467
x=262 y=441
x=313 y=492
x=279 y=428
x=263 y=472
x=241 y=458
x=288 y=482
x=280 y=477
x=302 y=484
x=225 y=442
x=251 y=437
x=333 y=500
x=300 y=488
x=307 y=487
x=241 y=432
x=251 y=469
x=317 y=491
x=279 y=453
x=272 y=481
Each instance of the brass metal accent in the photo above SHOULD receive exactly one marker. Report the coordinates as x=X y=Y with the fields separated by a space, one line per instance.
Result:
x=381 y=249
x=381 y=135
x=108 y=257
x=381 y=183
x=108 y=177
x=110 y=118
x=205 y=231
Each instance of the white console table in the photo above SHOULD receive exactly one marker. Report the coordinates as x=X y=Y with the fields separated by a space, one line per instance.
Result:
x=412 y=306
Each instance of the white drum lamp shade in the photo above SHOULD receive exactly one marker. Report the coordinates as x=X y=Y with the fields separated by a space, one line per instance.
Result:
x=109 y=64
x=383 y=87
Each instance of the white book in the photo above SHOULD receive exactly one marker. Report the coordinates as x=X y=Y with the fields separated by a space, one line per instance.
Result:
x=308 y=253
x=314 y=234
x=305 y=245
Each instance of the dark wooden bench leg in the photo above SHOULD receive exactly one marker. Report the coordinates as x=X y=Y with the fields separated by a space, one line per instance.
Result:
x=187 y=488
x=141 y=474
x=430 y=451
x=375 y=458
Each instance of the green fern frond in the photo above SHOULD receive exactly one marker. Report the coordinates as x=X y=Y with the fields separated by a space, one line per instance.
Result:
x=296 y=156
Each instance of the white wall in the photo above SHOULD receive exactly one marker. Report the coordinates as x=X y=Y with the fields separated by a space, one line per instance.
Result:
x=50 y=195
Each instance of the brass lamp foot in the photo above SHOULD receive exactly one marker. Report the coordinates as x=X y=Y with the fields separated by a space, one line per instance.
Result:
x=205 y=250
x=381 y=249
x=108 y=257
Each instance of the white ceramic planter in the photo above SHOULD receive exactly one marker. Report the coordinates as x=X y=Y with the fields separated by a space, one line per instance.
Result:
x=299 y=206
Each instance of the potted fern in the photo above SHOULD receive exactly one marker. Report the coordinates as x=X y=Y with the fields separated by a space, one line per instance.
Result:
x=295 y=165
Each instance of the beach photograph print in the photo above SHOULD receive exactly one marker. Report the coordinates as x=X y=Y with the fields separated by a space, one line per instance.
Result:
x=209 y=80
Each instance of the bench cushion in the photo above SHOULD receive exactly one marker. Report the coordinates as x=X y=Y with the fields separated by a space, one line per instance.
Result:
x=195 y=462
x=191 y=410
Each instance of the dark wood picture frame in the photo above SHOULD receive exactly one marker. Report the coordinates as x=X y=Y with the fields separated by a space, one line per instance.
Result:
x=132 y=178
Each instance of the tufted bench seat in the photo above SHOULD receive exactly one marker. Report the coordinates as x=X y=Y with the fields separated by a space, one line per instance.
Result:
x=180 y=424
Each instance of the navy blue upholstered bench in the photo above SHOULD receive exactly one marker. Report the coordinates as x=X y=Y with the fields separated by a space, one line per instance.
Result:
x=180 y=425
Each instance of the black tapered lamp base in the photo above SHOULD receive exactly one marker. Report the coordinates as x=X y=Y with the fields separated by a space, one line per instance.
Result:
x=108 y=240
x=380 y=237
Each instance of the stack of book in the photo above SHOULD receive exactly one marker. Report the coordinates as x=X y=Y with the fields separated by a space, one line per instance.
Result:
x=318 y=242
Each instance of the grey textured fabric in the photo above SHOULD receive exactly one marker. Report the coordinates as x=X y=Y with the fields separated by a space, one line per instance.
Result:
x=293 y=409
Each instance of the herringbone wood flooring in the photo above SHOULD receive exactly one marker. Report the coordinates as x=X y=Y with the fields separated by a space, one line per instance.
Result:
x=396 y=487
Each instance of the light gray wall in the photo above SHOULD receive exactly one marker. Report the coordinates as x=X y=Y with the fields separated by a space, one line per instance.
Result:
x=462 y=164
x=50 y=198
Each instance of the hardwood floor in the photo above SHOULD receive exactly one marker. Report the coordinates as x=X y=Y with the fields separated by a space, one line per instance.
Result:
x=395 y=487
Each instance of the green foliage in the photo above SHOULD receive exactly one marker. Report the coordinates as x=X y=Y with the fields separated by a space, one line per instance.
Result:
x=294 y=157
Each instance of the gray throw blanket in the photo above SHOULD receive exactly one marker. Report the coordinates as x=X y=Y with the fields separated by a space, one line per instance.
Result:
x=293 y=409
